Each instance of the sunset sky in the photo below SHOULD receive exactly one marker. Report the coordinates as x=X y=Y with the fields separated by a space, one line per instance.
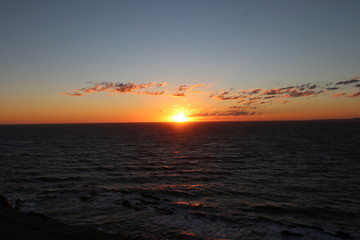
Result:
x=74 y=61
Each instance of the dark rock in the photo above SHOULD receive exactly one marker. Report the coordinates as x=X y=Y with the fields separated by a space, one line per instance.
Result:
x=187 y=236
x=34 y=226
x=84 y=198
x=4 y=202
x=201 y=214
x=150 y=196
x=138 y=206
x=312 y=227
x=165 y=211
x=317 y=228
x=18 y=204
x=126 y=203
x=93 y=193
x=148 y=202
x=343 y=235
x=288 y=233
x=39 y=215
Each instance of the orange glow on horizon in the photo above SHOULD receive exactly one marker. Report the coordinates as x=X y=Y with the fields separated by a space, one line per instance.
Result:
x=45 y=110
x=180 y=117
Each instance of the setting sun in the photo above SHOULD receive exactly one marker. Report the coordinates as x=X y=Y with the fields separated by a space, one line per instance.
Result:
x=180 y=117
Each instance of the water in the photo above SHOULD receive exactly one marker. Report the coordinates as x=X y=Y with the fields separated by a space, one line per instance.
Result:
x=237 y=180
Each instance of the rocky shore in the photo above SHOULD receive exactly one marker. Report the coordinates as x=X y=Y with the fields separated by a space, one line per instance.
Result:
x=17 y=225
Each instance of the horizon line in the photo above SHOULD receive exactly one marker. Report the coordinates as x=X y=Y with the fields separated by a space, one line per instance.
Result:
x=209 y=121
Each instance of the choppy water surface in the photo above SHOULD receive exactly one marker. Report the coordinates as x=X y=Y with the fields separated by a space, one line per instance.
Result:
x=244 y=180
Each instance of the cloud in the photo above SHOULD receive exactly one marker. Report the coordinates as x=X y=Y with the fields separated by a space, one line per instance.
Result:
x=292 y=91
x=182 y=88
x=355 y=94
x=262 y=96
x=134 y=88
x=312 y=86
x=306 y=86
x=232 y=94
x=177 y=94
x=99 y=87
x=249 y=102
x=158 y=93
x=255 y=98
x=223 y=95
x=269 y=97
x=338 y=94
x=242 y=107
x=246 y=100
x=224 y=113
x=196 y=86
x=283 y=101
x=188 y=88
x=354 y=80
x=295 y=94
x=273 y=91
x=129 y=88
x=279 y=91
x=74 y=94
x=332 y=88
x=265 y=102
x=255 y=91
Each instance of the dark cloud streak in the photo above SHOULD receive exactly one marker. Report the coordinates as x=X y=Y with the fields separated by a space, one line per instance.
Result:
x=74 y=94
x=332 y=88
x=355 y=95
x=177 y=94
x=354 y=80
x=233 y=113
x=128 y=88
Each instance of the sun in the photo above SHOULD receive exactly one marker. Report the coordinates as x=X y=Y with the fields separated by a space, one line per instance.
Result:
x=180 y=117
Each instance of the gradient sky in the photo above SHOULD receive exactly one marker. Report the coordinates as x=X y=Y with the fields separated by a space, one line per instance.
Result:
x=137 y=61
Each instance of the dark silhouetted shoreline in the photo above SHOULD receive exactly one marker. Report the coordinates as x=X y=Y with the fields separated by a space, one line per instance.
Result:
x=34 y=226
